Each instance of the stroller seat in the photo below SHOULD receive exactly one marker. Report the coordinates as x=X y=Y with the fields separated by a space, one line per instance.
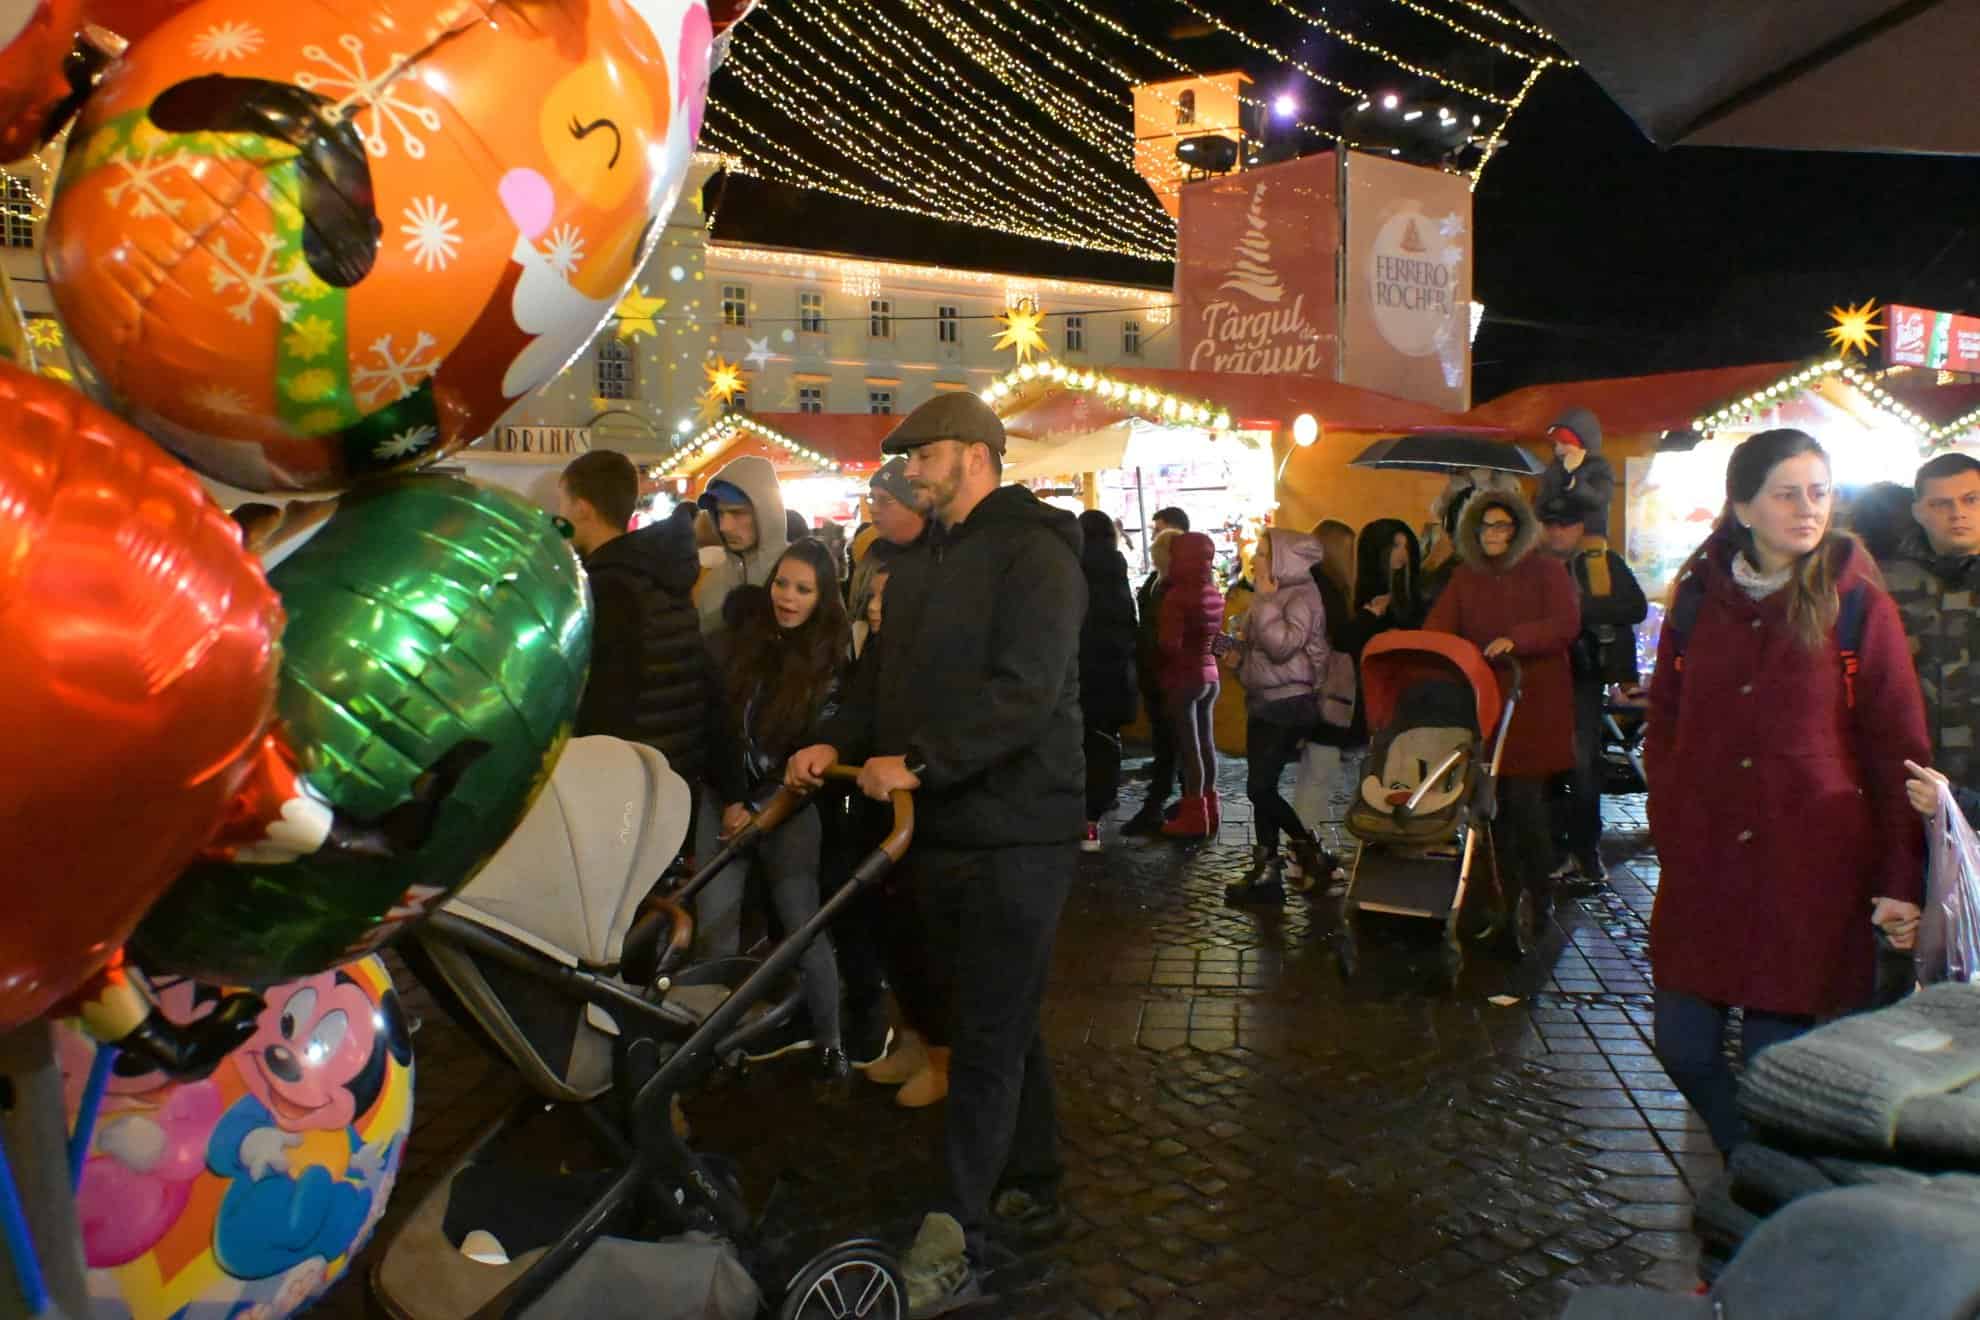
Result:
x=1418 y=770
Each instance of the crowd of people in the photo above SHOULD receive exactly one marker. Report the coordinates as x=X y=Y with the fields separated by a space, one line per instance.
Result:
x=985 y=650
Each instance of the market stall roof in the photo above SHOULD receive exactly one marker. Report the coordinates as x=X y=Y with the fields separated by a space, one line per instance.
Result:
x=831 y=442
x=1836 y=75
x=1629 y=405
x=1056 y=398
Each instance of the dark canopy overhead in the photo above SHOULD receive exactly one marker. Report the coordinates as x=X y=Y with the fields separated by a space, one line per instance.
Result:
x=1825 y=75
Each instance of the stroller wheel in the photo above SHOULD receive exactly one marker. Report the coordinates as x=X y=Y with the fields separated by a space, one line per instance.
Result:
x=1520 y=933
x=860 y=1278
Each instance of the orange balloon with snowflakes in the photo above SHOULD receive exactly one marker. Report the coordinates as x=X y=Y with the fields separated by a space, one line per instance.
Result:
x=302 y=245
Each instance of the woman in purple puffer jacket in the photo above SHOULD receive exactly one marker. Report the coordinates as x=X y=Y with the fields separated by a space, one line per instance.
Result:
x=1284 y=655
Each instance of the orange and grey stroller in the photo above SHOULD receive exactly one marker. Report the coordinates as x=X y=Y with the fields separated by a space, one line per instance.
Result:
x=560 y=957
x=1437 y=716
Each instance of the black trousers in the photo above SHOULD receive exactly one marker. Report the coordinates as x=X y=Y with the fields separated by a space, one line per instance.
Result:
x=859 y=932
x=1577 y=816
x=998 y=909
x=1269 y=748
x=1162 y=772
x=1103 y=770
x=1521 y=834
x=890 y=942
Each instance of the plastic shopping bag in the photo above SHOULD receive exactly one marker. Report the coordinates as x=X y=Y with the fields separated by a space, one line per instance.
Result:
x=1949 y=927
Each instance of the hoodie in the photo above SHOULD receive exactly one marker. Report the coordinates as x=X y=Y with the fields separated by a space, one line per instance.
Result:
x=755 y=478
x=1592 y=484
x=1285 y=631
x=1530 y=599
x=976 y=678
x=650 y=679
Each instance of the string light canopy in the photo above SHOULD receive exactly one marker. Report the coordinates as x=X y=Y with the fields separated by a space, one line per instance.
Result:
x=1755 y=405
x=1016 y=115
x=1022 y=384
x=733 y=427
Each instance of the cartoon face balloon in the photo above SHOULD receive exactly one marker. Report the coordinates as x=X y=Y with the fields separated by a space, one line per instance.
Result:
x=307 y=244
x=250 y=1192
x=137 y=675
x=425 y=613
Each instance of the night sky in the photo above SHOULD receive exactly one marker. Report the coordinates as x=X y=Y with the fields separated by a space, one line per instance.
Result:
x=1598 y=253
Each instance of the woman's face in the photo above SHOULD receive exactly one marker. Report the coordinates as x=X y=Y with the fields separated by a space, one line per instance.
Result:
x=1790 y=514
x=1495 y=531
x=793 y=593
x=1398 y=553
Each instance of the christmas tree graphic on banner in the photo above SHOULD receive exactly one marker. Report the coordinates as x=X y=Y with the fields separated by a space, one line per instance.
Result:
x=1251 y=271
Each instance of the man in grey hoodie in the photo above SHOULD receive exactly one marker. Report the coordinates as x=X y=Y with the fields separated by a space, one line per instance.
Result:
x=748 y=509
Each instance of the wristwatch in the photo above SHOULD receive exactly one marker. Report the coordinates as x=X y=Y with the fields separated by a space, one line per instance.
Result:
x=916 y=763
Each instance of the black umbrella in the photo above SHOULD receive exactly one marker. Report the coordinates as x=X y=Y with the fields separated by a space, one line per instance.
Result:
x=1445 y=451
x=1812 y=75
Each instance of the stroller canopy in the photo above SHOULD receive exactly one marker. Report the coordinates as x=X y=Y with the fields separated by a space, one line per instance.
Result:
x=1394 y=662
x=569 y=881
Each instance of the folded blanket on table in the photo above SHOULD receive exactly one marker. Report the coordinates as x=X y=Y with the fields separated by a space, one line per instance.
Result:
x=1871 y=1082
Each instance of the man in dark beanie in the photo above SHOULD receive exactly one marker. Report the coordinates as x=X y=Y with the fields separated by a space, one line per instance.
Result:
x=1579 y=472
x=972 y=699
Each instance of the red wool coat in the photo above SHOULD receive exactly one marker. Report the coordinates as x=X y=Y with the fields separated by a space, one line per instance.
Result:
x=1779 y=811
x=1529 y=598
x=1192 y=614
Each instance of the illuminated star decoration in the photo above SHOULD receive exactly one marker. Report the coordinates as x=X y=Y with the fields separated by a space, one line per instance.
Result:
x=44 y=332
x=1855 y=329
x=636 y=312
x=1022 y=330
x=725 y=381
x=759 y=352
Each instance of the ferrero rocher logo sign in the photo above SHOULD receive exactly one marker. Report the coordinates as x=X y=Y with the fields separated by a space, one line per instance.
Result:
x=1413 y=285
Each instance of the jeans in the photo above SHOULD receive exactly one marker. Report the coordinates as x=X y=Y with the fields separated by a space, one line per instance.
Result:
x=998 y=909
x=1271 y=742
x=1189 y=713
x=1691 y=1044
x=1578 y=813
x=1103 y=770
x=718 y=907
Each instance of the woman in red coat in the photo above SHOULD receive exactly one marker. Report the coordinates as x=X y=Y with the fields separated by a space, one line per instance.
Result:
x=1777 y=782
x=1504 y=599
x=1192 y=616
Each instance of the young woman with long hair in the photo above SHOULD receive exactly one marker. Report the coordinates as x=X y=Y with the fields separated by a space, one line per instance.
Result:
x=1777 y=776
x=788 y=650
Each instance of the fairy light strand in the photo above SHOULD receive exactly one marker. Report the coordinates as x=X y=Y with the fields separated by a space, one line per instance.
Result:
x=1384 y=53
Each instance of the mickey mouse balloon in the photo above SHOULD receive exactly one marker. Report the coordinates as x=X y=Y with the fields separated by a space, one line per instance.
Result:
x=307 y=244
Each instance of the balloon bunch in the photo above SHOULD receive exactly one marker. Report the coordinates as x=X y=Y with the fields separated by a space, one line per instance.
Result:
x=306 y=248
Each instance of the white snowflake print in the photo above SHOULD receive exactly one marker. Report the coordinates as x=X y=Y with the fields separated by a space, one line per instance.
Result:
x=432 y=236
x=409 y=441
x=219 y=400
x=394 y=377
x=141 y=180
x=565 y=250
x=359 y=90
x=261 y=284
x=1450 y=226
x=227 y=41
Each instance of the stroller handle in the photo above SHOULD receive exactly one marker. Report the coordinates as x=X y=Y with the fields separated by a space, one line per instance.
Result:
x=895 y=845
x=780 y=808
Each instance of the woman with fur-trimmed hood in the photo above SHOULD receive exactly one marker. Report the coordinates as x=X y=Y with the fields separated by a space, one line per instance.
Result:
x=1504 y=599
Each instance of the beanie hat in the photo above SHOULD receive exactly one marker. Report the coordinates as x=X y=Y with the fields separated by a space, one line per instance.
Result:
x=892 y=478
x=1582 y=429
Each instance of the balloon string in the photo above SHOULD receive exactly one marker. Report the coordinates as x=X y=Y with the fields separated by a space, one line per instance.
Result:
x=92 y=1102
x=20 y=1246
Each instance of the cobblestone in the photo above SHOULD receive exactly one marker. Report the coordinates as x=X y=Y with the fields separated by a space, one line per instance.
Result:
x=1247 y=1135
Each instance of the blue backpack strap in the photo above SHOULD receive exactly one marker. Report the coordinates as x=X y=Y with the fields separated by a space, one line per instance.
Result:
x=1851 y=617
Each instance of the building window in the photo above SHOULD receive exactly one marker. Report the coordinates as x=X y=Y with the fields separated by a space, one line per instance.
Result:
x=948 y=325
x=811 y=398
x=615 y=368
x=880 y=402
x=20 y=213
x=811 y=313
x=880 y=319
x=1075 y=334
x=735 y=304
x=1131 y=338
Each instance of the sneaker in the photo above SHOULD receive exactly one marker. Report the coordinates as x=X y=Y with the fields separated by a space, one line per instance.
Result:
x=787 y=1039
x=937 y=1269
x=910 y=1056
x=834 y=1084
x=1091 y=843
x=867 y=1037
x=1029 y=1219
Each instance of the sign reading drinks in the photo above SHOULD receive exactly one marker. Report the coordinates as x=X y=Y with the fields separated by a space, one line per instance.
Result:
x=1917 y=337
x=1256 y=274
x=1407 y=302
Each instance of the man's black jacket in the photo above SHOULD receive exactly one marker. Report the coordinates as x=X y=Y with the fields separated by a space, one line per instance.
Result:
x=975 y=676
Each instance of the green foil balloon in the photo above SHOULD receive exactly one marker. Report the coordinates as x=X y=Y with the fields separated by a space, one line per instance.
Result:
x=426 y=611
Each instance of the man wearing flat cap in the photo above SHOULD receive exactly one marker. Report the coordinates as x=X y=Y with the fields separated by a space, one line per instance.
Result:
x=973 y=701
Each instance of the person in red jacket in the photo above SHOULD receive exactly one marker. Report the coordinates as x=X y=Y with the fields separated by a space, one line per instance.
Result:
x=1192 y=616
x=1507 y=600
x=1777 y=781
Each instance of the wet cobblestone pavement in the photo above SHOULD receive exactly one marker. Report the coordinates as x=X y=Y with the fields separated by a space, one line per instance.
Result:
x=1245 y=1133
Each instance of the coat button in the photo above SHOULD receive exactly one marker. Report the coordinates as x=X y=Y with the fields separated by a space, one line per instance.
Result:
x=1746 y=763
x=1746 y=689
x=1746 y=836
x=1756 y=623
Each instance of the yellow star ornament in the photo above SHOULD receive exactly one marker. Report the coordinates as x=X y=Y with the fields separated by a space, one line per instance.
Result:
x=1855 y=329
x=1022 y=330
x=725 y=381
x=636 y=313
x=44 y=332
